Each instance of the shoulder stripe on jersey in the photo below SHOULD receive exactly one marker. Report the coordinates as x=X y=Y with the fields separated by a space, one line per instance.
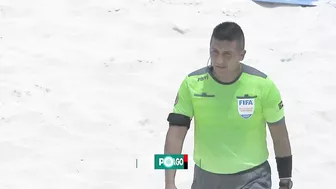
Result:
x=253 y=71
x=201 y=71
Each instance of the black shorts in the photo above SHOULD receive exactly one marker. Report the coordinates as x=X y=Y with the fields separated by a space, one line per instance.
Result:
x=255 y=178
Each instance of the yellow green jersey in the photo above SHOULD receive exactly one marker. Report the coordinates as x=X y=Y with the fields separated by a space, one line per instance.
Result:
x=229 y=118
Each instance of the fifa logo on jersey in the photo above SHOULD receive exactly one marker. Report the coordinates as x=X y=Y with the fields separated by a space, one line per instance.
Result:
x=246 y=107
x=245 y=102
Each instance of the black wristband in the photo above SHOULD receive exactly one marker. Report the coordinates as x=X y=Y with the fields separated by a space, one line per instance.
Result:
x=284 y=165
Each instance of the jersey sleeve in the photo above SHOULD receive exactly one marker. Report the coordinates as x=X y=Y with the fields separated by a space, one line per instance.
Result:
x=183 y=109
x=273 y=110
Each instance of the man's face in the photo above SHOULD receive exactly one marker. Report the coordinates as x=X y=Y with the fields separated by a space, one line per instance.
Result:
x=225 y=55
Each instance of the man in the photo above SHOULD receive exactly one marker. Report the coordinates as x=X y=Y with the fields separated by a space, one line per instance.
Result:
x=231 y=104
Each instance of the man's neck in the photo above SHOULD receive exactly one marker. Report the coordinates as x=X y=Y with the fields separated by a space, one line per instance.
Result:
x=230 y=76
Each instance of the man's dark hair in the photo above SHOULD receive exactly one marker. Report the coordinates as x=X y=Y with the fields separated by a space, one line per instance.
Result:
x=229 y=31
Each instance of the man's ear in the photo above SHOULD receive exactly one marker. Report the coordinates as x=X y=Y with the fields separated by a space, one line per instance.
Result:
x=242 y=55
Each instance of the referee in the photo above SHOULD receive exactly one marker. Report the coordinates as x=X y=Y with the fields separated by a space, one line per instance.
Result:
x=231 y=104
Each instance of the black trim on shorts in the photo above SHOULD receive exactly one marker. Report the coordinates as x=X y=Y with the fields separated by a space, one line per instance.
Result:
x=265 y=163
x=179 y=120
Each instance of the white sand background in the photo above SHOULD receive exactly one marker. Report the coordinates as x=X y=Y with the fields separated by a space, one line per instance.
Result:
x=86 y=86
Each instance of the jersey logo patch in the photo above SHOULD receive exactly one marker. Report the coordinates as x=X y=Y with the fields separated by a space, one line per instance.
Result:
x=246 y=106
x=280 y=105
x=203 y=78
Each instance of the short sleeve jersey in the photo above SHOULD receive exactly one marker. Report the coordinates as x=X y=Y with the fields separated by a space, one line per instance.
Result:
x=229 y=118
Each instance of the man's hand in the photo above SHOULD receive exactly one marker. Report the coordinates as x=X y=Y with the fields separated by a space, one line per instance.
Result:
x=286 y=184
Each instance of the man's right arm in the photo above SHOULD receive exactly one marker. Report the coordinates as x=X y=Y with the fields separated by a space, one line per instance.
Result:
x=174 y=144
x=179 y=123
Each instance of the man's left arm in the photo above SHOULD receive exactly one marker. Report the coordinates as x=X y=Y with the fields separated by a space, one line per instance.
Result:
x=280 y=138
x=274 y=115
x=282 y=150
